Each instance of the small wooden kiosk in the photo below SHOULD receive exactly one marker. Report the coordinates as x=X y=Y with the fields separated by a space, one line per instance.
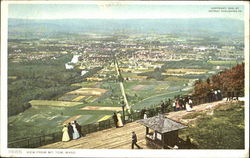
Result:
x=161 y=132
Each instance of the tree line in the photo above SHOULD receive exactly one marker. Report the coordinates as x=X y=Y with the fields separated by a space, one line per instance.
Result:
x=230 y=81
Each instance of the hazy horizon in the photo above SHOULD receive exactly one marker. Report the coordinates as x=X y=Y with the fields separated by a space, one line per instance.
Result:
x=123 y=11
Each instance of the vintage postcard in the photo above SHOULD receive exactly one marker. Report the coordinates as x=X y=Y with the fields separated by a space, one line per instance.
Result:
x=124 y=79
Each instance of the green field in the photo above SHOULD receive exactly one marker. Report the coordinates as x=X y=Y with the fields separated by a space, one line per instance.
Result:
x=47 y=116
x=86 y=84
x=41 y=120
x=53 y=103
x=48 y=112
x=222 y=62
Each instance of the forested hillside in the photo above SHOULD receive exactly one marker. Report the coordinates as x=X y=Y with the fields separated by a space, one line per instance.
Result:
x=230 y=82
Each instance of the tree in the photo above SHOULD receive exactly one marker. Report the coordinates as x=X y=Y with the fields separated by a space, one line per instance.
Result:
x=228 y=80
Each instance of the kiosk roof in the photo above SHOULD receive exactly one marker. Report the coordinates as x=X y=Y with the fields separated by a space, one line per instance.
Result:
x=161 y=124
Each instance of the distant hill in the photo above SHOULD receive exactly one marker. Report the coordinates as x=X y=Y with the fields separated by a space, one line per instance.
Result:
x=222 y=27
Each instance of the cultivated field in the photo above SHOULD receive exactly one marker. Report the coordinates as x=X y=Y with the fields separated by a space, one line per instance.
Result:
x=85 y=84
x=72 y=119
x=102 y=108
x=88 y=91
x=222 y=62
x=79 y=98
x=185 y=71
x=104 y=118
x=53 y=103
x=90 y=104
x=12 y=77
x=175 y=78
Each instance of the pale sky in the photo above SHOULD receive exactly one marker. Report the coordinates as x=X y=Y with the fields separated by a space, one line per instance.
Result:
x=122 y=11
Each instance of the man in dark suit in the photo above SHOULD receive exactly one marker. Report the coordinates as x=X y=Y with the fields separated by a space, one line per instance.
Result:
x=115 y=119
x=70 y=131
x=162 y=107
x=134 y=140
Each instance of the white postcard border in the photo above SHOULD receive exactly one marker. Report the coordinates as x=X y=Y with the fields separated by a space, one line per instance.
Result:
x=115 y=153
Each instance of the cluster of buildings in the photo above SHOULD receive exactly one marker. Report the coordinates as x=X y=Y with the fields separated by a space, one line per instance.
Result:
x=135 y=54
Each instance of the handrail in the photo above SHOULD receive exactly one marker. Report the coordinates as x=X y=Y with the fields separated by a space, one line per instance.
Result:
x=88 y=128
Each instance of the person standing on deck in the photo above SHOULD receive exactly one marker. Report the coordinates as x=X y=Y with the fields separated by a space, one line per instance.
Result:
x=145 y=116
x=143 y=111
x=190 y=102
x=76 y=133
x=229 y=96
x=70 y=131
x=119 y=118
x=177 y=105
x=188 y=106
x=216 y=95
x=181 y=102
x=174 y=105
x=65 y=136
x=79 y=128
x=134 y=140
x=219 y=95
x=162 y=107
x=115 y=120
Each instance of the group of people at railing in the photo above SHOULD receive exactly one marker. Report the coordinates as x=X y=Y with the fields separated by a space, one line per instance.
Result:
x=233 y=95
x=71 y=131
x=214 y=95
x=187 y=102
x=117 y=119
x=181 y=103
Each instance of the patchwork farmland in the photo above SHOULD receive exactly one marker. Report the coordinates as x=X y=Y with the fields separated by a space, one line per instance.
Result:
x=95 y=101
x=88 y=95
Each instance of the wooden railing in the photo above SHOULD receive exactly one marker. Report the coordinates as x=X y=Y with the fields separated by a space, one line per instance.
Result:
x=35 y=142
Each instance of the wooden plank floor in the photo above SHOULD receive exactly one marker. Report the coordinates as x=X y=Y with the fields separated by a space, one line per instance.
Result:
x=120 y=138
x=113 y=138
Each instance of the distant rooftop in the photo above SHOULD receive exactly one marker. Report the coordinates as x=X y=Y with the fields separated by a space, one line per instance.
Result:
x=161 y=124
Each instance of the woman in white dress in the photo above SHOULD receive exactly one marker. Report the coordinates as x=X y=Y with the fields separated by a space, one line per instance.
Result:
x=188 y=105
x=145 y=115
x=65 y=136
x=76 y=134
x=119 y=122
